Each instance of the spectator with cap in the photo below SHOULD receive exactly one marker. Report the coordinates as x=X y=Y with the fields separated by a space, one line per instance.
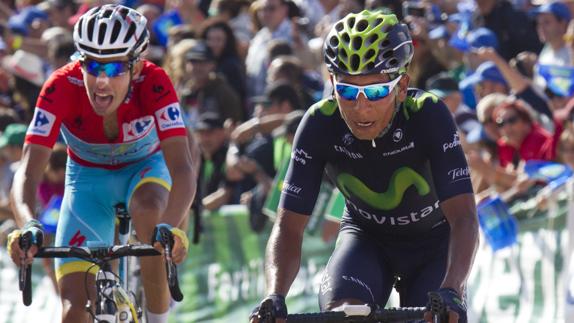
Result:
x=28 y=71
x=512 y=27
x=251 y=158
x=213 y=142
x=551 y=24
x=510 y=81
x=289 y=69
x=475 y=39
x=11 y=142
x=445 y=87
x=204 y=89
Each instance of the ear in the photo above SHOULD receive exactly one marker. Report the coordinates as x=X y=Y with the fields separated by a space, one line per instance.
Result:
x=403 y=87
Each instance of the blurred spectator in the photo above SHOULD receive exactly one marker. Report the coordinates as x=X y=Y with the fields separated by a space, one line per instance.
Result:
x=52 y=185
x=221 y=40
x=212 y=139
x=524 y=63
x=445 y=87
x=521 y=139
x=59 y=53
x=514 y=30
x=273 y=15
x=29 y=75
x=486 y=79
x=288 y=69
x=59 y=12
x=11 y=142
x=424 y=64
x=205 y=90
x=236 y=14
x=565 y=147
x=551 y=23
x=480 y=37
x=30 y=21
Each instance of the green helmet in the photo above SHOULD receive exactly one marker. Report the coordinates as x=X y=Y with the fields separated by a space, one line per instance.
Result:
x=368 y=42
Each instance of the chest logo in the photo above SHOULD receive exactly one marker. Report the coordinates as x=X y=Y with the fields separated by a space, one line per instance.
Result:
x=137 y=128
x=397 y=135
x=401 y=180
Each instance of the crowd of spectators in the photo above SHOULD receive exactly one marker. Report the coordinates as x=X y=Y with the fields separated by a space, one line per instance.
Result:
x=245 y=71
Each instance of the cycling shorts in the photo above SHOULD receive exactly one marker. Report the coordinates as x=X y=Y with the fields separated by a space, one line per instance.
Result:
x=365 y=268
x=87 y=212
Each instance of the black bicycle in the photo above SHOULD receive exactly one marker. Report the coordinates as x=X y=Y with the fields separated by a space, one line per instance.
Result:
x=114 y=303
x=363 y=313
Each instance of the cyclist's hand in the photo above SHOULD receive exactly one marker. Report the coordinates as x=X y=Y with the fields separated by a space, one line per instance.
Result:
x=455 y=305
x=178 y=240
x=33 y=231
x=278 y=311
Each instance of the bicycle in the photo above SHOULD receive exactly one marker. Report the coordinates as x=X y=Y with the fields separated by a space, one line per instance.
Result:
x=363 y=313
x=114 y=302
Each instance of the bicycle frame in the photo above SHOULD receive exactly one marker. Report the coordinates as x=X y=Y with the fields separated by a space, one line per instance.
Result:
x=113 y=303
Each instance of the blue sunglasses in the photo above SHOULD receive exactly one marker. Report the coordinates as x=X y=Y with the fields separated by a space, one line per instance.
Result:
x=111 y=69
x=372 y=92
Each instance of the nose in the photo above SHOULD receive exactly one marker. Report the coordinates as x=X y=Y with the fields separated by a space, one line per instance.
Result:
x=102 y=78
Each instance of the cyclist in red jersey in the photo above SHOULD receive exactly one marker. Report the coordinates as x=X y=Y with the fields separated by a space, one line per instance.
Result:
x=121 y=120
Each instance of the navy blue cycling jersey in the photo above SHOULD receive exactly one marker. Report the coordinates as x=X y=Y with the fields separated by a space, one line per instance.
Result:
x=392 y=186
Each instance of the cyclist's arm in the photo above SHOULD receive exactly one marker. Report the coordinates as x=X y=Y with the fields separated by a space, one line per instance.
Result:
x=183 y=184
x=283 y=253
x=23 y=193
x=460 y=212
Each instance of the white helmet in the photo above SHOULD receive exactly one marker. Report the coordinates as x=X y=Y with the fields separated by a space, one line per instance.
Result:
x=111 y=31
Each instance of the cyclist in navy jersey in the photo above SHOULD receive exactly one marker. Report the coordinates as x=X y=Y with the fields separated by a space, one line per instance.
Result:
x=410 y=218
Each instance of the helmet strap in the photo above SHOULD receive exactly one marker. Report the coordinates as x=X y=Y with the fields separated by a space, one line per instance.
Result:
x=131 y=63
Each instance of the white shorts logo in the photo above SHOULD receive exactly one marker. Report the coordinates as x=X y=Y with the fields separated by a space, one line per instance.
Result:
x=169 y=117
x=42 y=123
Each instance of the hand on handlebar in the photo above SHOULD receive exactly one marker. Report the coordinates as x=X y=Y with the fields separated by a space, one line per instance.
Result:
x=455 y=306
x=23 y=244
x=271 y=310
x=175 y=237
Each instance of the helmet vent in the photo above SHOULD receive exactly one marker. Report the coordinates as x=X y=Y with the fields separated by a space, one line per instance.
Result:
x=373 y=38
x=370 y=66
x=80 y=23
x=339 y=27
x=388 y=54
x=357 y=43
x=369 y=54
x=102 y=33
x=124 y=12
x=330 y=52
x=343 y=53
x=362 y=25
x=377 y=22
x=334 y=41
x=385 y=43
x=342 y=65
x=346 y=37
x=355 y=61
x=351 y=22
x=116 y=31
x=91 y=24
x=130 y=32
x=393 y=62
x=107 y=14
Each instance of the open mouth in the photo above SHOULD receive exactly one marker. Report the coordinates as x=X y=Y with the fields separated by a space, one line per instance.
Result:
x=103 y=100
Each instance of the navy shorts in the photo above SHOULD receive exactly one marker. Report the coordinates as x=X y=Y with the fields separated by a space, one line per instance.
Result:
x=365 y=268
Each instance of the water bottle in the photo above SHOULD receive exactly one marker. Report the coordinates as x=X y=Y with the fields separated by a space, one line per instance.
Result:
x=499 y=226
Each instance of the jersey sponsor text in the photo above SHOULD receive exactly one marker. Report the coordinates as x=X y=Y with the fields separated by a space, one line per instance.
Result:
x=400 y=220
x=300 y=156
x=454 y=143
x=345 y=151
x=458 y=174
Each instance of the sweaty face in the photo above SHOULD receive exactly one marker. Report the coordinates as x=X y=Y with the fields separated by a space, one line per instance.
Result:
x=367 y=119
x=106 y=93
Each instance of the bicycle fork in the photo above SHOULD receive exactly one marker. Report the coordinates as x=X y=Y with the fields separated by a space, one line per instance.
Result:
x=114 y=304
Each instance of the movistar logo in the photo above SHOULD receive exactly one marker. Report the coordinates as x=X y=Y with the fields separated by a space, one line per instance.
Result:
x=401 y=180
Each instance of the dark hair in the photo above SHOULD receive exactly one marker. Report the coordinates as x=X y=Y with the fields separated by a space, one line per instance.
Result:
x=230 y=48
x=278 y=47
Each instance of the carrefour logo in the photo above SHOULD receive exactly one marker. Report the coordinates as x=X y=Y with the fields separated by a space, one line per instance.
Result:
x=137 y=128
x=42 y=123
x=169 y=117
